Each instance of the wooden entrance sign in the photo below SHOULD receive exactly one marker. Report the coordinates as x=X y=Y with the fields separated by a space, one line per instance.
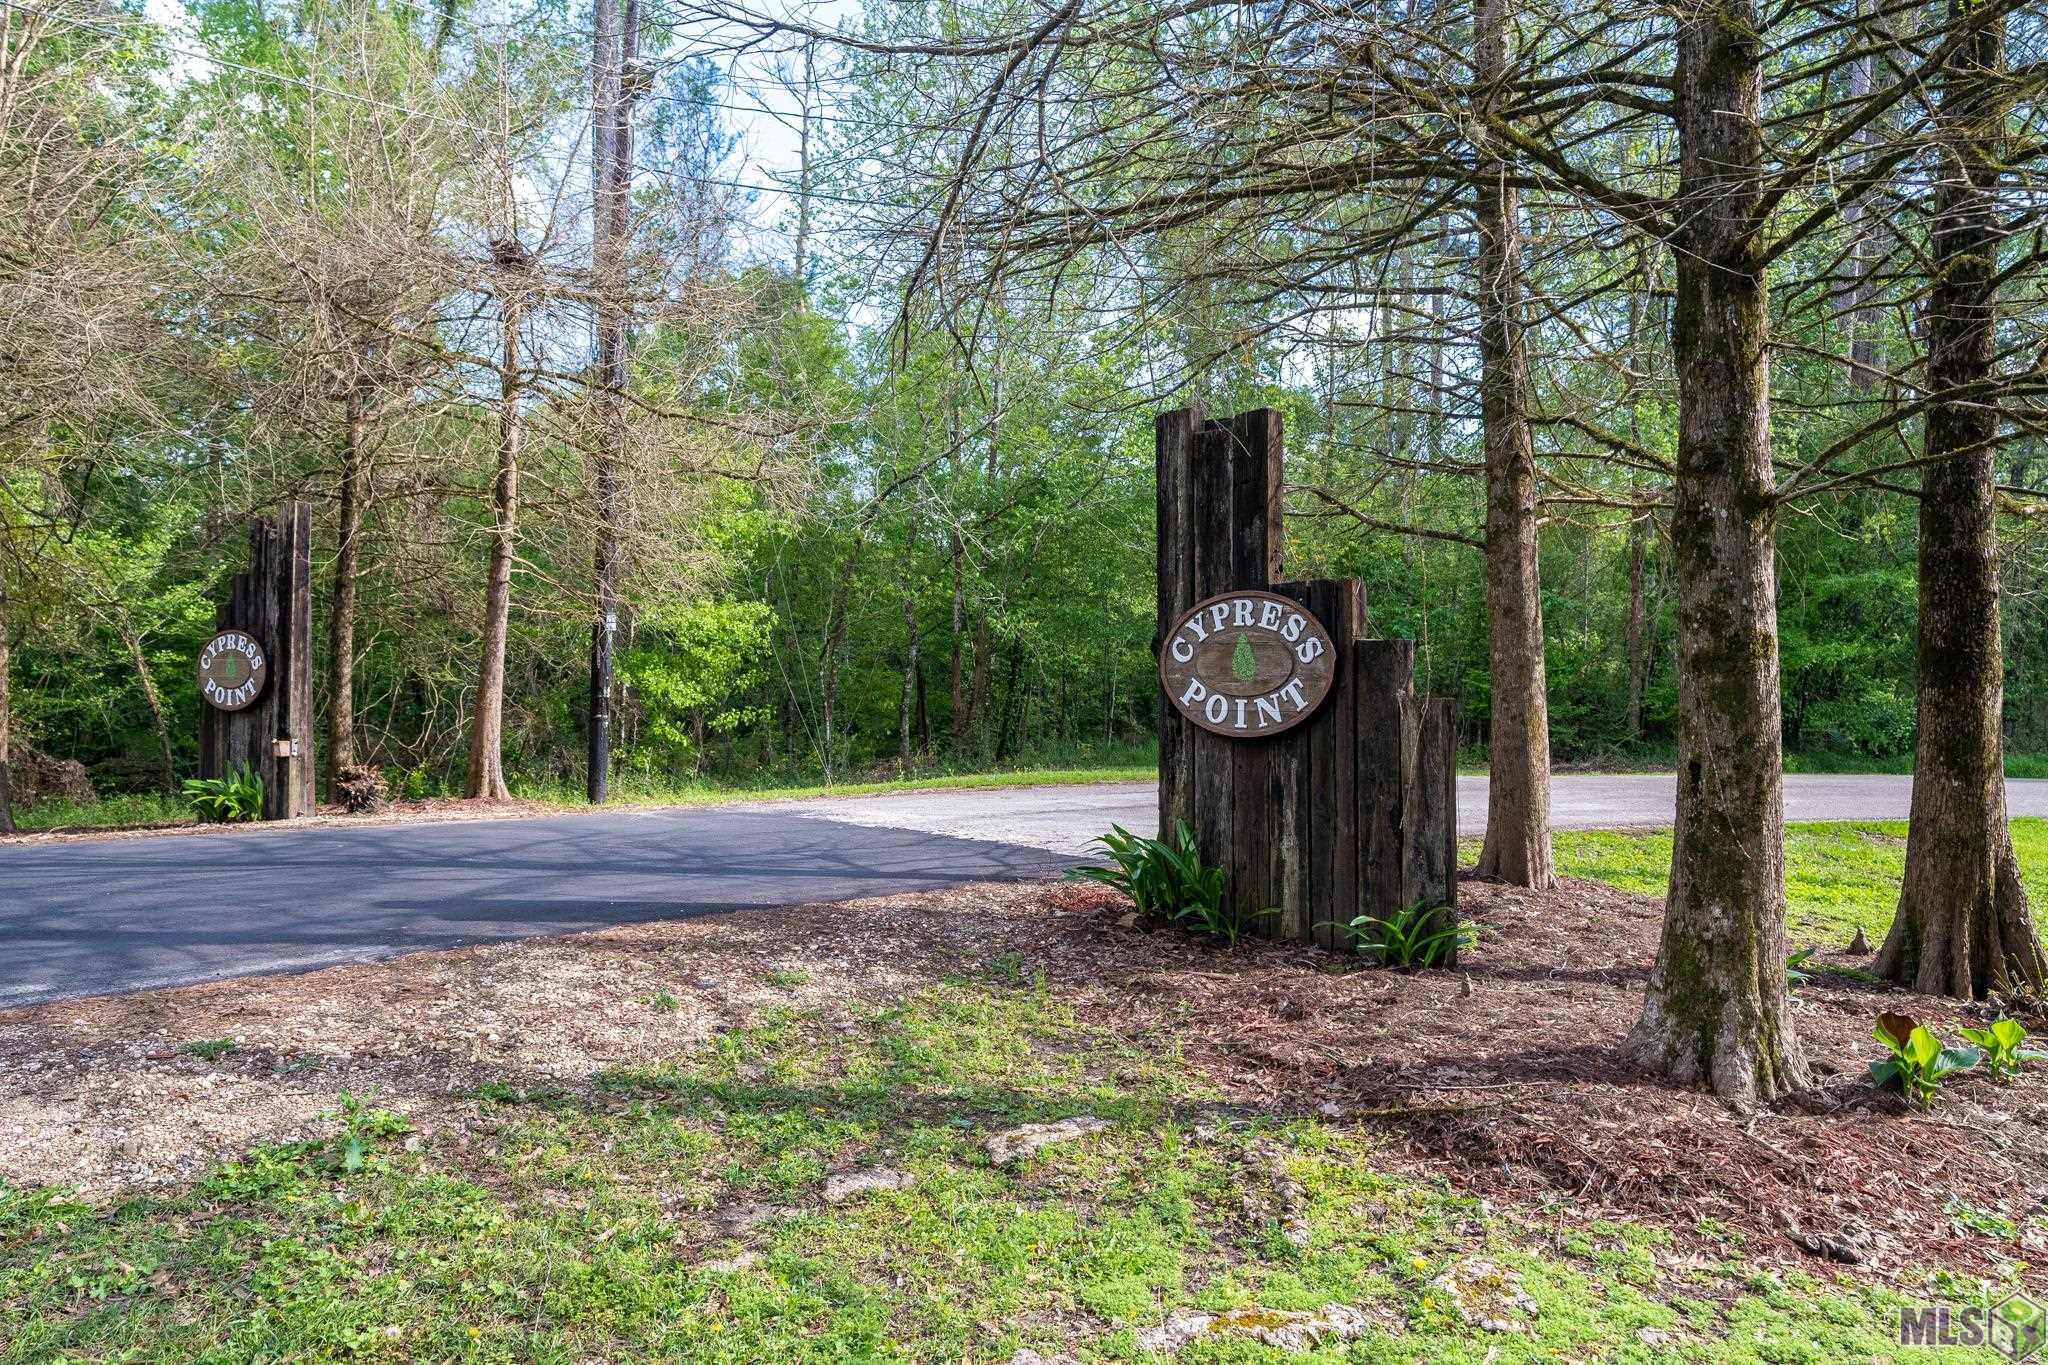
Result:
x=1247 y=664
x=256 y=674
x=1345 y=806
x=232 y=670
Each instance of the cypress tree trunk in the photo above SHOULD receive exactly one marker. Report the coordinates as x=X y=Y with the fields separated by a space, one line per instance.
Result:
x=341 y=639
x=1715 y=1011
x=1963 y=926
x=487 y=734
x=1517 y=847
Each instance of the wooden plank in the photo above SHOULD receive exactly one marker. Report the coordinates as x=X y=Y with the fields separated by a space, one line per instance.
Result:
x=1254 y=454
x=1256 y=449
x=1333 y=777
x=1428 y=809
x=1292 y=813
x=1385 y=748
x=295 y=673
x=1210 y=760
x=1173 y=438
x=1444 y=719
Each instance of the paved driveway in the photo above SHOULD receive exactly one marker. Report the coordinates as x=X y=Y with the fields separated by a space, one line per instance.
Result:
x=92 y=917
x=1064 y=819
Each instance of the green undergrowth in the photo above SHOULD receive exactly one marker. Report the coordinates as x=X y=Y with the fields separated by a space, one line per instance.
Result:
x=1838 y=876
x=146 y=808
x=640 y=793
x=599 y=1225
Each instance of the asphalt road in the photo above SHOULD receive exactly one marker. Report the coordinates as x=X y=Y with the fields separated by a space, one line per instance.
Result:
x=100 y=916
x=97 y=917
x=1065 y=819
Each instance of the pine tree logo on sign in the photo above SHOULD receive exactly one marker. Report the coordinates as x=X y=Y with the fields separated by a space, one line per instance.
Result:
x=1247 y=664
x=232 y=670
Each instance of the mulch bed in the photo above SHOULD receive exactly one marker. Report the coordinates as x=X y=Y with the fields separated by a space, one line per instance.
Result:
x=1510 y=1080
x=1507 y=1078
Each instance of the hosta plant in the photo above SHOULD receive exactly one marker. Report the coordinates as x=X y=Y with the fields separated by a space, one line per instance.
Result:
x=226 y=800
x=1919 y=1062
x=2003 y=1055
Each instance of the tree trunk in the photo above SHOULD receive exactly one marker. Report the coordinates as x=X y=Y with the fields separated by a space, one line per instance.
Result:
x=957 y=697
x=978 y=686
x=6 y=724
x=341 y=640
x=1638 y=619
x=1517 y=848
x=906 y=708
x=1716 y=1009
x=1963 y=926
x=132 y=642
x=487 y=734
x=1009 y=702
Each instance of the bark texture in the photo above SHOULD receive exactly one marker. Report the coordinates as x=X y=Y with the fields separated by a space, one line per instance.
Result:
x=1963 y=926
x=6 y=725
x=341 y=626
x=1716 y=1011
x=487 y=732
x=1517 y=848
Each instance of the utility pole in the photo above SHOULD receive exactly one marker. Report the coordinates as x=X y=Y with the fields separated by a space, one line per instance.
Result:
x=614 y=46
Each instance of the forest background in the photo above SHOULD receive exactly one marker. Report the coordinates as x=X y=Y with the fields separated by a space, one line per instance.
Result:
x=339 y=251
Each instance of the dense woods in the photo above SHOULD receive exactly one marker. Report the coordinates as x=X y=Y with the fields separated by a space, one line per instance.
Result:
x=1674 y=378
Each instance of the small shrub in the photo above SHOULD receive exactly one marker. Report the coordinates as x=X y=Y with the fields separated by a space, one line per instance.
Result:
x=1411 y=938
x=662 y=1001
x=1919 y=1063
x=360 y=788
x=2003 y=1055
x=1799 y=969
x=226 y=800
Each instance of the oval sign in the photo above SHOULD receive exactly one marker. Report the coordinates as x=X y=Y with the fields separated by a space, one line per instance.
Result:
x=1248 y=664
x=232 y=670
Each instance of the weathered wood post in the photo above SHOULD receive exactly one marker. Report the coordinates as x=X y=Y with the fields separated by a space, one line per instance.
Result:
x=1324 y=785
x=256 y=674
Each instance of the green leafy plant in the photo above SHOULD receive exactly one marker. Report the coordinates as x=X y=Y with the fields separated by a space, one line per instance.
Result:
x=1411 y=938
x=1919 y=1063
x=1170 y=880
x=362 y=1129
x=662 y=1001
x=226 y=800
x=1799 y=969
x=210 y=1049
x=2003 y=1055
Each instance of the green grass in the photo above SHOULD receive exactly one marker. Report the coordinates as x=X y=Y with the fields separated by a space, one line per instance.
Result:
x=2016 y=765
x=635 y=793
x=569 y=1230
x=1838 y=876
x=1068 y=766
x=145 y=808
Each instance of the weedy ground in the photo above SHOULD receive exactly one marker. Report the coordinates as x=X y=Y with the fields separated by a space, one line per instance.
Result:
x=672 y=1211
x=616 y=1147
